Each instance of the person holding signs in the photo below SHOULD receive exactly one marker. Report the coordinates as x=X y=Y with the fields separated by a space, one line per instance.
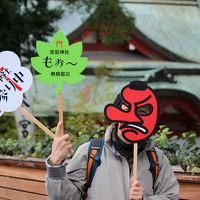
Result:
x=105 y=168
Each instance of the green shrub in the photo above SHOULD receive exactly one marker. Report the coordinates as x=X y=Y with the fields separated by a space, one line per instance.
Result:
x=9 y=146
x=32 y=146
x=8 y=127
x=187 y=155
x=82 y=127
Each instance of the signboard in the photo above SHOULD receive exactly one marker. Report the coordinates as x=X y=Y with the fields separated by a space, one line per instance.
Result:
x=59 y=62
x=14 y=81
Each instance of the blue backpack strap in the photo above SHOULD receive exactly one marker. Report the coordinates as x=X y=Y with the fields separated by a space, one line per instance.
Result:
x=94 y=160
x=154 y=164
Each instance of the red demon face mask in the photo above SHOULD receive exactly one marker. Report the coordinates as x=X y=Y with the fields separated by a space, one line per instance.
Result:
x=136 y=113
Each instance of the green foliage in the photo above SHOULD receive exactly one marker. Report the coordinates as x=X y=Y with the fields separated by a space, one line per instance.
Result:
x=9 y=146
x=195 y=170
x=167 y=144
x=187 y=154
x=82 y=127
x=35 y=145
x=8 y=127
x=24 y=22
x=11 y=33
x=190 y=152
x=112 y=23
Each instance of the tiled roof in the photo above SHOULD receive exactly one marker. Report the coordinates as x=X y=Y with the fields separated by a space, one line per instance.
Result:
x=171 y=28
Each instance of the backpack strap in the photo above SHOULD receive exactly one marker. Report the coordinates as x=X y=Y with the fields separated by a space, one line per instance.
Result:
x=94 y=160
x=154 y=164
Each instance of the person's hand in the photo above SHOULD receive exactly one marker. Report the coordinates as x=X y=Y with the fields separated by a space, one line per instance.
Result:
x=61 y=146
x=136 y=191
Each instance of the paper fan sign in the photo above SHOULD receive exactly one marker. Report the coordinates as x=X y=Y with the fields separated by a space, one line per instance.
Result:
x=136 y=111
x=14 y=81
x=59 y=63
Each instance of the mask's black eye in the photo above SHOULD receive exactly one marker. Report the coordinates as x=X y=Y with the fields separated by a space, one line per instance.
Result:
x=144 y=110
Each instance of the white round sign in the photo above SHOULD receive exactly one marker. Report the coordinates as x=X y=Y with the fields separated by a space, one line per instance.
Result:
x=14 y=81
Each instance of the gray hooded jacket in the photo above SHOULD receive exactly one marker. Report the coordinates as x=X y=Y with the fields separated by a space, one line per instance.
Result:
x=112 y=179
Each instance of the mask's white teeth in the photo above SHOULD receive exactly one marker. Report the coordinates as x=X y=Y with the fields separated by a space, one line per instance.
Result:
x=138 y=127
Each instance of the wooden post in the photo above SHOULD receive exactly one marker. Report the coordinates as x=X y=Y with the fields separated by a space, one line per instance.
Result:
x=34 y=120
x=135 y=161
x=60 y=110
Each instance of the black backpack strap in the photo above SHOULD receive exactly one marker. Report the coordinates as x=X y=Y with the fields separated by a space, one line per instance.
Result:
x=94 y=160
x=154 y=164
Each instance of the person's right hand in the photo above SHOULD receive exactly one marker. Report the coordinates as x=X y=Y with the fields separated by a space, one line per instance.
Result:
x=61 y=146
x=136 y=191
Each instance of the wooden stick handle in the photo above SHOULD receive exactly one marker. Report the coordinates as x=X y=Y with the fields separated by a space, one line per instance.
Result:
x=34 y=120
x=60 y=110
x=135 y=161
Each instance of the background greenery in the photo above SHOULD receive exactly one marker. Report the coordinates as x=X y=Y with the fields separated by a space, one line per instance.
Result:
x=84 y=126
x=185 y=153
x=112 y=23
x=23 y=22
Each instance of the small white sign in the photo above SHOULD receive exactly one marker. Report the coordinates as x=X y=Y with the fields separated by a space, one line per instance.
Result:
x=14 y=81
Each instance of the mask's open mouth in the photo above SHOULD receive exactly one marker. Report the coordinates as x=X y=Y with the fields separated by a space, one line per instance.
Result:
x=136 y=126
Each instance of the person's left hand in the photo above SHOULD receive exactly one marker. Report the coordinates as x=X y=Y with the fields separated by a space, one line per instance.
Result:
x=136 y=191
